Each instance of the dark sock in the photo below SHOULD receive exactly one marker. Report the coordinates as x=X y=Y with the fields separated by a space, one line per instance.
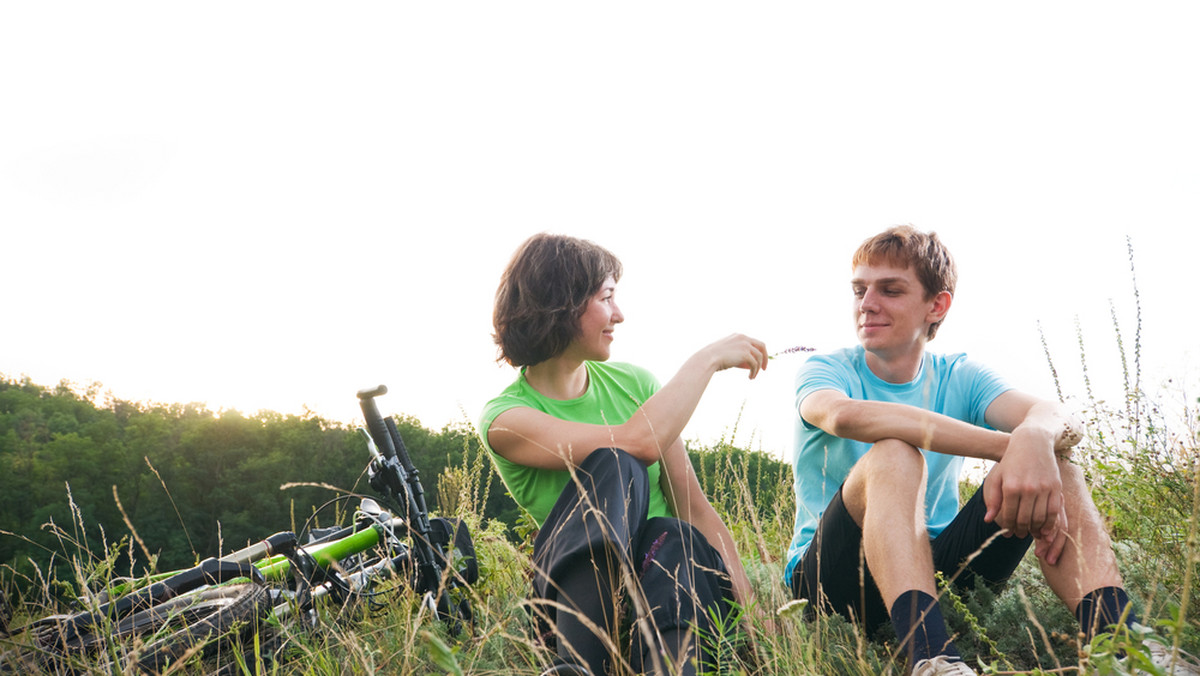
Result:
x=1103 y=608
x=929 y=637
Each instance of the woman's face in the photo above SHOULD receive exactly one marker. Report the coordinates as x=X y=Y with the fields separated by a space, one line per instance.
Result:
x=597 y=323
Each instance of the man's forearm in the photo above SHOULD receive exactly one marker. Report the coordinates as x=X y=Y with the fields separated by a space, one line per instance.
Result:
x=1063 y=429
x=872 y=421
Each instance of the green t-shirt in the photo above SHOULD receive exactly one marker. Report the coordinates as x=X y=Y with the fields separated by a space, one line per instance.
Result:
x=615 y=391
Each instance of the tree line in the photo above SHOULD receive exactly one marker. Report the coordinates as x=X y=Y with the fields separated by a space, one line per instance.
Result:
x=191 y=482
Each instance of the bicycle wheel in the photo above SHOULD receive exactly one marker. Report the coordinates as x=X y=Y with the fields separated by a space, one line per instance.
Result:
x=172 y=628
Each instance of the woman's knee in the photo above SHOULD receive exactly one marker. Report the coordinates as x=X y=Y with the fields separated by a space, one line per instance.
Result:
x=599 y=509
x=611 y=457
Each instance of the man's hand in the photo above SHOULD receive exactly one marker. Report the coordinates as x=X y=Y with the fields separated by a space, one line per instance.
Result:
x=1050 y=548
x=1023 y=492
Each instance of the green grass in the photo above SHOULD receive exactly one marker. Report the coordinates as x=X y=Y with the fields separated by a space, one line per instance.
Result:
x=1148 y=494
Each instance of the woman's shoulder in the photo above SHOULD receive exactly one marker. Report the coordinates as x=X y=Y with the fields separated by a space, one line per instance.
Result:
x=623 y=372
x=516 y=394
x=618 y=367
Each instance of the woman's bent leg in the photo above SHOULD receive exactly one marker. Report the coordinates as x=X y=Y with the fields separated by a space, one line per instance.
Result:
x=683 y=579
x=579 y=552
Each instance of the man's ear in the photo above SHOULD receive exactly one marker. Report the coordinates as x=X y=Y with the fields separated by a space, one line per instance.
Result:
x=940 y=306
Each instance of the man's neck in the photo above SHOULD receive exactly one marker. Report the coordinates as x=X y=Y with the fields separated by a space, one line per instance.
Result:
x=897 y=369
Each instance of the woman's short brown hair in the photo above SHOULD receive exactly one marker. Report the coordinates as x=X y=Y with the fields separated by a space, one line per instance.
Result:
x=544 y=291
x=903 y=246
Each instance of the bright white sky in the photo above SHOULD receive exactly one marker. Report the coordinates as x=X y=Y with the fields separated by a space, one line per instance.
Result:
x=271 y=205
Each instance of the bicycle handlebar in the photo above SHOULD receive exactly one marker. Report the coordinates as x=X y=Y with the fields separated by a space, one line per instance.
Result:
x=375 y=425
x=395 y=474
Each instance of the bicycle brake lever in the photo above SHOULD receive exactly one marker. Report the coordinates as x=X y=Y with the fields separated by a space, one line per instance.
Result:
x=369 y=507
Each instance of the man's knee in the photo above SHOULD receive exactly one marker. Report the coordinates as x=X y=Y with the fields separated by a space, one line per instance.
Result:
x=890 y=462
x=893 y=460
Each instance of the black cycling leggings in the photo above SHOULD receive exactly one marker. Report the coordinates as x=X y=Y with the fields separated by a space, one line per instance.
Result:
x=596 y=537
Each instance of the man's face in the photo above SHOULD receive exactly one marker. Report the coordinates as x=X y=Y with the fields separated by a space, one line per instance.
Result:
x=891 y=313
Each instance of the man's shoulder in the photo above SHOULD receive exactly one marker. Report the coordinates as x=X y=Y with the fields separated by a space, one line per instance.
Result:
x=955 y=364
x=846 y=356
x=837 y=370
x=842 y=363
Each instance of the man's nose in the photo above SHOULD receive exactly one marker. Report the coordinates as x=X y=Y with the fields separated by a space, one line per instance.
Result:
x=869 y=301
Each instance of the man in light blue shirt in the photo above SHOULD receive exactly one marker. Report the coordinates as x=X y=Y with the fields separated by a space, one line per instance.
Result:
x=882 y=432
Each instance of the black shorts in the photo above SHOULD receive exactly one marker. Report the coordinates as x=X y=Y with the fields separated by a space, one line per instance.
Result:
x=833 y=572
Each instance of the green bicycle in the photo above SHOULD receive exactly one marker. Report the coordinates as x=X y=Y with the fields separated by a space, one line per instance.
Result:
x=246 y=597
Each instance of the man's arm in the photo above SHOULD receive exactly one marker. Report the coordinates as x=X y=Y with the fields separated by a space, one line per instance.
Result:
x=1015 y=409
x=872 y=421
x=1023 y=492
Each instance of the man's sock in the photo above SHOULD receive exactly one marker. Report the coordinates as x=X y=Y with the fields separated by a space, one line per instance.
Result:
x=918 y=613
x=1103 y=608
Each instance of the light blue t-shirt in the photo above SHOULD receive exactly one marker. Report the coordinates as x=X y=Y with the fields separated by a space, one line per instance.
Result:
x=948 y=384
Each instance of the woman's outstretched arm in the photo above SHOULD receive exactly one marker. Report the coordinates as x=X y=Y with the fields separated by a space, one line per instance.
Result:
x=535 y=439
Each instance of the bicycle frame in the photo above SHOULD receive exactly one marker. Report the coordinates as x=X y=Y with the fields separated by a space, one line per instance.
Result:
x=270 y=560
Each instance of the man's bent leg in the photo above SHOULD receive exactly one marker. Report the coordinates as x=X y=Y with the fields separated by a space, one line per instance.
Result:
x=1086 y=577
x=885 y=495
x=833 y=574
x=885 y=492
x=875 y=524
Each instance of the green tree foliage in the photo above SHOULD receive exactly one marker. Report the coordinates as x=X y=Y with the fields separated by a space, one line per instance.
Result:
x=193 y=483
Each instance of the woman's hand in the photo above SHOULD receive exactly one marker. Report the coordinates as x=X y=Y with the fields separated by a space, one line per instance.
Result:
x=738 y=351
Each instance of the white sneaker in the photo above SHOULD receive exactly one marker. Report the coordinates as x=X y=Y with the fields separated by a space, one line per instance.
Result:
x=1176 y=664
x=942 y=666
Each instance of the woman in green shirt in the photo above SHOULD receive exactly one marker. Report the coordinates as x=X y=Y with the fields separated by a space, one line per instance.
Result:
x=592 y=450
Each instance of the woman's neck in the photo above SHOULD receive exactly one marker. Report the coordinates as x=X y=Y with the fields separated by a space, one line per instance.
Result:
x=558 y=378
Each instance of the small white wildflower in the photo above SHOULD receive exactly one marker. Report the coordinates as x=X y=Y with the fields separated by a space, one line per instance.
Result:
x=792 y=608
